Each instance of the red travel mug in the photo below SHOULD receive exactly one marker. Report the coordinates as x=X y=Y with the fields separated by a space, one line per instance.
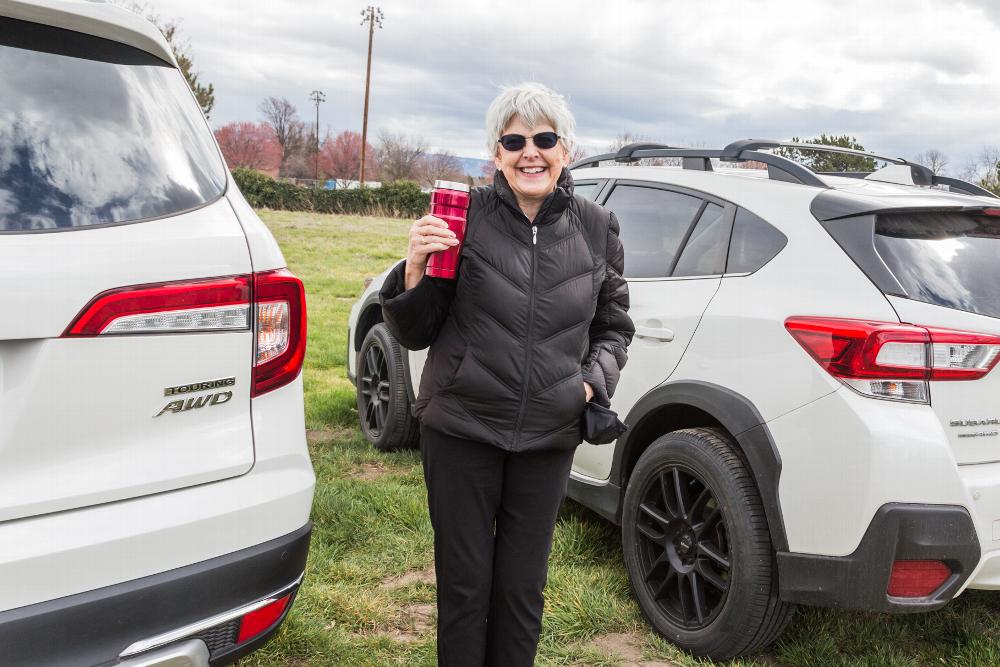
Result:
x=450 y=202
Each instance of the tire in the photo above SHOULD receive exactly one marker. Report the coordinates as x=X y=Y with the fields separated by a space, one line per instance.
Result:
x=383 y=403
x=697 y=547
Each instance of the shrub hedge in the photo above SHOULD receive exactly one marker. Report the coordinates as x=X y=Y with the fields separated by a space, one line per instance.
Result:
x=401 y=199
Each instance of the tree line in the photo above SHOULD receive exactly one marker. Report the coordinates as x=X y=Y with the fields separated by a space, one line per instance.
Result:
x=284 y=144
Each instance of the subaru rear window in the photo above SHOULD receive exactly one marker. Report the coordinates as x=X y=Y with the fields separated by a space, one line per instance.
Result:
x=94 y=132
x=947 y=259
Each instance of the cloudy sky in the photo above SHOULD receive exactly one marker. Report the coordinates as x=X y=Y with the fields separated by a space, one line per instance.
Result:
x=903 y=76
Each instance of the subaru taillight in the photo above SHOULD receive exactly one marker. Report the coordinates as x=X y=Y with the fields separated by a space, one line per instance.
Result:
x=892 y=360
x=280 y=326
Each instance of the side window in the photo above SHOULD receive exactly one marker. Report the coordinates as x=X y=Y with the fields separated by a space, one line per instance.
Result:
x=754 y=243
x=653 y=225
x=587 y=190
x=705 y=252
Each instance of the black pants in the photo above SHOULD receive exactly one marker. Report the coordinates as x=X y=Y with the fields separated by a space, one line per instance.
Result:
x=493 y=514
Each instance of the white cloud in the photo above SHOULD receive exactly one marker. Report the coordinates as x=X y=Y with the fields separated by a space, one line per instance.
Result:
x=902 y=76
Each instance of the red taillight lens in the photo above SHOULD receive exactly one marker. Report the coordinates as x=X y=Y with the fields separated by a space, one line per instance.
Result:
x=214 y=304
x=917 y=578
x=261 y=620
x=892 y=360
x=863 y=349
x=280 y=326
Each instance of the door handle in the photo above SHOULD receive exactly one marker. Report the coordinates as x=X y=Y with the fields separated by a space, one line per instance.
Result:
x=656 y=333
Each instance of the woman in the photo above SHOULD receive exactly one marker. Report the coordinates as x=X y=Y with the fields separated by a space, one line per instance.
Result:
x=535 y=326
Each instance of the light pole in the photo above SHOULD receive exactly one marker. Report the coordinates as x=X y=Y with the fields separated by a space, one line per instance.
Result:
x=317 y=96
x=372 y=16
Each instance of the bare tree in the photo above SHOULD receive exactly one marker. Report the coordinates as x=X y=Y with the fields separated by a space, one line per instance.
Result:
x=984 y=170
x=626 y=138
x=289 y=131
x=440 y=166
x=934 y=159
x=399 y=156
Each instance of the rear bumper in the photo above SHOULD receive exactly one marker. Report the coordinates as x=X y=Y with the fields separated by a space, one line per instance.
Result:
x=897 y=532
x=95 y=627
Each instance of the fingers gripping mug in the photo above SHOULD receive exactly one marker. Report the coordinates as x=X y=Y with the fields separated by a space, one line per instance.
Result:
x=450 y=202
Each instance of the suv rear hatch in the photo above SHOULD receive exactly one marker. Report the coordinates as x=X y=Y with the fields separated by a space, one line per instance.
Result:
x=125 y=340
x=940 y=269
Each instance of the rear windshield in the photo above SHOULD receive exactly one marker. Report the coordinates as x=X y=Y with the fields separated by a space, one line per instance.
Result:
x=93 y=132
x=947 y=259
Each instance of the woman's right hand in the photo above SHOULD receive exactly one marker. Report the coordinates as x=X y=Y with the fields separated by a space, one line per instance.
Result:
x=427 y=235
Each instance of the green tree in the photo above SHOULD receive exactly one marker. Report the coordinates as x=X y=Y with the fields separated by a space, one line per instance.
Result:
x=179 y=47
x=825 y=161
x=204 y=94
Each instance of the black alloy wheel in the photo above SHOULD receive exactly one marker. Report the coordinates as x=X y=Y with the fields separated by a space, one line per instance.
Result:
x=383 y=403
x=697 y=546
x=684 y=549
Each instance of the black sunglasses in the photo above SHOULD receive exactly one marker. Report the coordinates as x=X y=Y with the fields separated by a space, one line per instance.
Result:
x=542 y=140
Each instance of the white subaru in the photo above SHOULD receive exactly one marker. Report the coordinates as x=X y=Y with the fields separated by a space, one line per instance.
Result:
x=812 y=414
x=155 y=484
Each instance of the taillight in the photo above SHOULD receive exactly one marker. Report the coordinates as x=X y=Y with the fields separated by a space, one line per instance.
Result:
x=892 y=360
x=258 y=621
x=917 y=578
x=273 y=302
x=280 y=326
x=215 y=304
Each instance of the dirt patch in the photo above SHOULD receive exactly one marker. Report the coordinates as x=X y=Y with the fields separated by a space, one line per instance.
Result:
x=425 y=576
x=417 y=621
x=627 y=647
x=369 y=471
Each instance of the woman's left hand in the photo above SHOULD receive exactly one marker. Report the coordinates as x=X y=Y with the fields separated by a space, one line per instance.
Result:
x=589 y=390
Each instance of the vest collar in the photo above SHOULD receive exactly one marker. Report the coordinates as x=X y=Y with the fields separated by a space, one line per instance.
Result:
x=552 y=207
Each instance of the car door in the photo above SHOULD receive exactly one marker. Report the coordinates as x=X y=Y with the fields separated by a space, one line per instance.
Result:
x=675 y=244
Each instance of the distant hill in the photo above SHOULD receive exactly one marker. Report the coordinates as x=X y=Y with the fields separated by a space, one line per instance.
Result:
x=473 y=166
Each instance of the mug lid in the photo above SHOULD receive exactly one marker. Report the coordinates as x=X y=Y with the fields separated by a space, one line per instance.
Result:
x=450 y=185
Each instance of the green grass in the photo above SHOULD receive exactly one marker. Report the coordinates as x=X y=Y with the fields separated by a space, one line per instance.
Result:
x=371 y=527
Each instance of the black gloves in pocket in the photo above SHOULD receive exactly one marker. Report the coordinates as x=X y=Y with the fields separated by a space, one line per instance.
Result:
x=600 y=425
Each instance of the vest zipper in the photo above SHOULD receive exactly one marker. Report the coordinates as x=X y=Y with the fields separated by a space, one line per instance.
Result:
x=531 y=330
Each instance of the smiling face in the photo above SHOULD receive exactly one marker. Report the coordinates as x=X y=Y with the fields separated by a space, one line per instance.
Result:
x=531 y=172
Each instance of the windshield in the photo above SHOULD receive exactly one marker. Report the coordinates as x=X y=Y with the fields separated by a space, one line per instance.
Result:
x=948 y=259
x=94 y=132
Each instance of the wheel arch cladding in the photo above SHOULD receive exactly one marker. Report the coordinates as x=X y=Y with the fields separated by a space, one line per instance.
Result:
x=371 y=314
x=687 y=404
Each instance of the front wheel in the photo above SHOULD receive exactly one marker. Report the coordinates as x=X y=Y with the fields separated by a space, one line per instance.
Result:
x=383 y=403
x=697 y=547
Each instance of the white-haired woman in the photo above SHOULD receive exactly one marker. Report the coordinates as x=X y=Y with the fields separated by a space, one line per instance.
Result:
x=535 y=326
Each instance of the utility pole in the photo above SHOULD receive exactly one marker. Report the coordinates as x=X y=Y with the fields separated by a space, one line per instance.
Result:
x=317 y=96
x=372 y=16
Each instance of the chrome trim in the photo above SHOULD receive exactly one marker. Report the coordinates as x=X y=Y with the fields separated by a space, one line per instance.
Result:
x=587 y=479
x=204 y=624
x=193 y=653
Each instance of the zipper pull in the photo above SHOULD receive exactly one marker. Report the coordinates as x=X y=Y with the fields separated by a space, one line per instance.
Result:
x=534 y=235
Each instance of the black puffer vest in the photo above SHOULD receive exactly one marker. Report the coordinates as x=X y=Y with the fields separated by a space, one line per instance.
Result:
x=525 y=317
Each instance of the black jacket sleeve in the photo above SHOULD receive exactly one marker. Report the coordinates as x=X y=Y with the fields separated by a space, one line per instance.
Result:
x=415 y=316
x=611 y=330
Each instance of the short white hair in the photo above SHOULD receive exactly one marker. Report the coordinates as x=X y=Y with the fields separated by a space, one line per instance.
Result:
x=534 y=104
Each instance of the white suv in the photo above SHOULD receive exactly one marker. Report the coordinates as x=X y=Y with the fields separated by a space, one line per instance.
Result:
x=812 y=418
x=155 y=483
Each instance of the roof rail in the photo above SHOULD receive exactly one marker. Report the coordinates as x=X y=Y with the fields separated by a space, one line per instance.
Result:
x=778 y=168
x=921 y=175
